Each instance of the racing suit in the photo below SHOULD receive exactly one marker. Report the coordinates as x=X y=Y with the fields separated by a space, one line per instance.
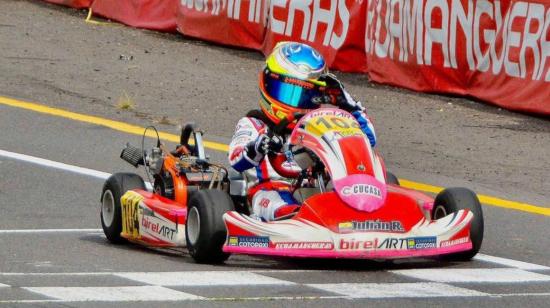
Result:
x=269 y=192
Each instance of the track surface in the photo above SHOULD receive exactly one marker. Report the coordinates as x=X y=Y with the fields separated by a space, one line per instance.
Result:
x=49 y=55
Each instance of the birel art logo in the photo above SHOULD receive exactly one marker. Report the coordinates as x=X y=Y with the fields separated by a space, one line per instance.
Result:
x=362 y=189
x=159 y=229
x=389 y=243
x=371 y=226
x=249 y=241
x=304 y=245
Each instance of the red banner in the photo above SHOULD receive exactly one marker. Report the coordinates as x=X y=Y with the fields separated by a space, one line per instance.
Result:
x=149 y=14
x=336 y=28
x=77 y=4
x=496 y=51
x=490 y=49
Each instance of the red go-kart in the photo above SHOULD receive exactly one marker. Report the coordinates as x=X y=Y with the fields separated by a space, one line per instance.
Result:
x=350 y=206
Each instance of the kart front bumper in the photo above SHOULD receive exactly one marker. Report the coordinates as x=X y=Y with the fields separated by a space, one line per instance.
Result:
x=302 y=238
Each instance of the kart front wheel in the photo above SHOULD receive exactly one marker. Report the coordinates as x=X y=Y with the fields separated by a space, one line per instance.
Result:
x=452 y=200
x=111 y=212
x=205 y=229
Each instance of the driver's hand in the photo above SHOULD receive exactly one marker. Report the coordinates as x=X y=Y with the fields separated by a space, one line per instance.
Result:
x=276 y=144
x=262 y=145
x=339 y=95
x=332 y=82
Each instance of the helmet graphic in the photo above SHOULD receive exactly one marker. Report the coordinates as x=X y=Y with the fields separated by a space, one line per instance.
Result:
x=290 y=82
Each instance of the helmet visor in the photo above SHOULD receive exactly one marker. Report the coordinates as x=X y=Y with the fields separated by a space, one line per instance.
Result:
x=291 y=91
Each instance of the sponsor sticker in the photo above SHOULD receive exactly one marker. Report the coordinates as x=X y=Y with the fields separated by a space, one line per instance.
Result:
x=362 y=189
x=249 y=241
x=131 y=210
x=371 y=226
x=304 y=245
x=233 y=241
x=345 y=227
x=422 y=242
x=457 y=241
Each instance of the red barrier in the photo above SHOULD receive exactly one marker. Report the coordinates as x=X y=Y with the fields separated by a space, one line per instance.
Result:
x=260 y=24
x=149 y=14
x=77 y=4
x=493 y=50
x=336 y=28
x=221 y=21
x=490 y=49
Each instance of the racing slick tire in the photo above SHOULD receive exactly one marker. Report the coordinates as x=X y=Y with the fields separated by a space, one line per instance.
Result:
x=452 y=200
x=111 y=212
x=205 y=229
x=392 y=179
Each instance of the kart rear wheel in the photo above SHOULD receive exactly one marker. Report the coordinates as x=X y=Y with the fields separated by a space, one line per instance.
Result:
x=452 y=200
x=205 y=229
x=111 y=212
x=391 y=179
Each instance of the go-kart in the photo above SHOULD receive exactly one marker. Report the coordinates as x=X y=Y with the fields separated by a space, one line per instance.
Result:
x=350 y=206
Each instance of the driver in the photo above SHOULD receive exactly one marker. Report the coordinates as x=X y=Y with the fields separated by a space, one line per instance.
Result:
x=295 y=79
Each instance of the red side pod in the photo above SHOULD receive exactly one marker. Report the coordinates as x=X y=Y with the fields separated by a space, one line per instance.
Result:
x=165 y=207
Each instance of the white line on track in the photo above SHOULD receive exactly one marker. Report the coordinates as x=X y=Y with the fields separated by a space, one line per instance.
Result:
x=31 y=231
x=168 y=273
x=60 y=166
x=473 y=275
x=393 y=290
x=55 y=165
x=113 y=294
x=509 y=262
x=266 y=298
x=213 y=299
x=203 y=278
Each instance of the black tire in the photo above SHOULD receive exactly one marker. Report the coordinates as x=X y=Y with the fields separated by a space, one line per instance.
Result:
x=113 y=189
x=205 y=229
x=164 y=186
x=392 y=179
x=452 y=200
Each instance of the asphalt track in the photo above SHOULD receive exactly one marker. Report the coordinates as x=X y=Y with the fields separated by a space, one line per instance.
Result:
x=53 y=254
x=67 y=260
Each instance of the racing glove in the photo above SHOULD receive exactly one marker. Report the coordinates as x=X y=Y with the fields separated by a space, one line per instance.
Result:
x=257 y=149
x=345 y=101
x=366 y=126
x=340 y=97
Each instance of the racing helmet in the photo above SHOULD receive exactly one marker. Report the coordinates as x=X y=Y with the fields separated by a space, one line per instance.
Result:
x=290 y=82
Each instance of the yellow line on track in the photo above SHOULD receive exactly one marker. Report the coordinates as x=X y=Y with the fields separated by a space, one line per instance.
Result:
x=489 y=200
x=116 y=125
x=137 y=130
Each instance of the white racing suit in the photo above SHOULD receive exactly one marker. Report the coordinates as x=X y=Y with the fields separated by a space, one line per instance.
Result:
x=269 y=192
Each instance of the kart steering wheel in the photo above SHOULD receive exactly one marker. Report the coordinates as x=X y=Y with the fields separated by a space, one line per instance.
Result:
x=278 y=159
